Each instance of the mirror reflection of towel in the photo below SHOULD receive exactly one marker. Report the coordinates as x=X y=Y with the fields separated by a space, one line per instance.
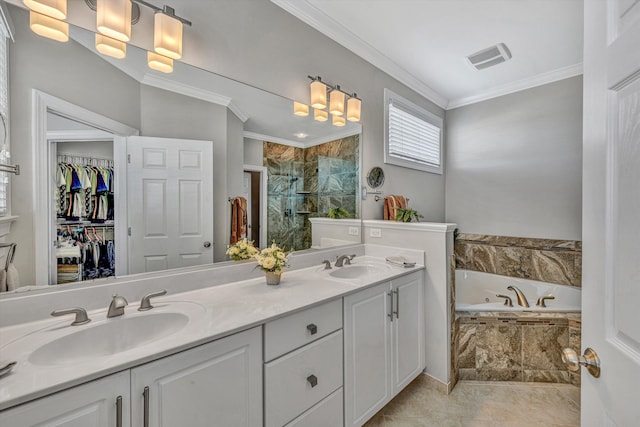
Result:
x=238 y=219
x=391 y=205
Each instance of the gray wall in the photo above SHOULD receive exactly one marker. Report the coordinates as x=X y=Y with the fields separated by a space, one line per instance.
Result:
x=253 y=152
x=514 y=163
x=258 y=43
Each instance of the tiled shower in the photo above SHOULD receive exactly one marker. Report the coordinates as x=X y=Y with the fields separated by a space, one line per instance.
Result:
x=308 y=182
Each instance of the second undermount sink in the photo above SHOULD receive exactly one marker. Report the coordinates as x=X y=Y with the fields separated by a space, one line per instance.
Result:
x=112 y=336
x=356 y=271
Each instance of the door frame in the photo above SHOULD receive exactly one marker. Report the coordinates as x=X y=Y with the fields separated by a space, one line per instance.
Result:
x=42 y=104
x=263 y=199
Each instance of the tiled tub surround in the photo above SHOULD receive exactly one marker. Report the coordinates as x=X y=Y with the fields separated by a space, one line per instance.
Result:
x=309 y=182
x=545 y=260
x=516 y=346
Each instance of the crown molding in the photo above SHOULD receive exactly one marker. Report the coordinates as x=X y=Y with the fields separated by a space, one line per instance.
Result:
x=299 y=144
x=319 y=20
x=520 y=85
x=193 y=92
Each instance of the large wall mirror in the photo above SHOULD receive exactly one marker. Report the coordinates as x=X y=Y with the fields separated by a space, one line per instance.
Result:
x=128 y=170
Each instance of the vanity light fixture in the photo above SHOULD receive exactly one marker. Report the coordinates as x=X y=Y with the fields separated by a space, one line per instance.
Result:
x=113 y=19
x=110 y=47
x=318 y=93
x=338 y=120
x=54 y=8
x=300 y=109
x=320 y=115
x=337 y=98
x=167 y=33
x=48 y=27
x=336 y=101
x=354 y=106
x=159 y=62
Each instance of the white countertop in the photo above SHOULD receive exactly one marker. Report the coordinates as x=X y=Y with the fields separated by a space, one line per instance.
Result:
x=228 y=309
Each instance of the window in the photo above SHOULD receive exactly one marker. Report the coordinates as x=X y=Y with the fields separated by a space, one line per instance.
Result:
x=413 y=136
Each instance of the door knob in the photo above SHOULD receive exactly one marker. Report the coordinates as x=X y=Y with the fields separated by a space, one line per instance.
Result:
x=590 y=360
x=207 y=244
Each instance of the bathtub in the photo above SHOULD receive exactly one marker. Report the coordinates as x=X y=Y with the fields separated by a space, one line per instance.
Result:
x=476 y=292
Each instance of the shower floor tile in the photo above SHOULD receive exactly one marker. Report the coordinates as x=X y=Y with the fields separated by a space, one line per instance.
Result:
x=482 y=404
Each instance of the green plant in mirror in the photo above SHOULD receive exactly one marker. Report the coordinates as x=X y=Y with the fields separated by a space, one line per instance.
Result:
x=407 y=215
x=337 y=213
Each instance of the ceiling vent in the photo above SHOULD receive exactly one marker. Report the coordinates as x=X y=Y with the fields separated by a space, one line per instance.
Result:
x=490 y=56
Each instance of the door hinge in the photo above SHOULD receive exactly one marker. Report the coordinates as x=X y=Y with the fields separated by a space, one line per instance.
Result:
x=128 y=158
x=129 y=231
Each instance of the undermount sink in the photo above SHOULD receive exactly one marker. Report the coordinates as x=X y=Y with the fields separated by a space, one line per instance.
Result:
x=108 y=337
x=357 y=271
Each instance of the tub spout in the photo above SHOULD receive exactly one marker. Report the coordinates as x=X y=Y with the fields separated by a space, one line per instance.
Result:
x=522 y=300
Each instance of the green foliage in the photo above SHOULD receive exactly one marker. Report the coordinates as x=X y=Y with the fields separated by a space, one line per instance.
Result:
x=407 y=215
x=337 y=213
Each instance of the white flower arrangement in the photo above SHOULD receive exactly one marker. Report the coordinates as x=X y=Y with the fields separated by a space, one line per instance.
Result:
x=241 y=250
x=272 y=259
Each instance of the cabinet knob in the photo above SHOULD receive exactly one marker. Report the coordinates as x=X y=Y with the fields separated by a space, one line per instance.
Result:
x=313 y=380
x=313 y=329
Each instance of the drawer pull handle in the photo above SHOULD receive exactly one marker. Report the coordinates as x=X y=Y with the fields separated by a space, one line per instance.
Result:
x=313 y=380
x=313 y=329
x=145 y=414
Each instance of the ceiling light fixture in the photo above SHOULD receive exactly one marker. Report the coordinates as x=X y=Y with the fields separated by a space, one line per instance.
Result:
x=338 y=120
x=113 y=19
x=337 y=97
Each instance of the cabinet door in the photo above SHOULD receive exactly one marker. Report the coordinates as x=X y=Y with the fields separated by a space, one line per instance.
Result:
x=219 y=383
x=367 y=365
x=94 y=404
x=408 y=331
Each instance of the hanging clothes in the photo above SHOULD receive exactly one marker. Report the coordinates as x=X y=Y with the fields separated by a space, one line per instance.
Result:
x=82 y=254
x=238 y=219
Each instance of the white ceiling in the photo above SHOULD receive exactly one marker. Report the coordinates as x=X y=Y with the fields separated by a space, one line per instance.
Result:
x=423 y=43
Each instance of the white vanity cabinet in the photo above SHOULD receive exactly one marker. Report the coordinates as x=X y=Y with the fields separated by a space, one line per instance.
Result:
x=100 y=403
x=218 y=383
x=384 y=344
x=303 y=369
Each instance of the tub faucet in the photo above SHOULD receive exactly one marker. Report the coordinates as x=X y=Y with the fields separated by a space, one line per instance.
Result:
x=522 y=300
x=116 y=308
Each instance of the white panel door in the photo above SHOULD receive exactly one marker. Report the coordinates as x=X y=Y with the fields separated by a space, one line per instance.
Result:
x=408 y=330
x=219 y=384
x=170 y=203
x=96 y=404
x=367 y=343
x=611 y=211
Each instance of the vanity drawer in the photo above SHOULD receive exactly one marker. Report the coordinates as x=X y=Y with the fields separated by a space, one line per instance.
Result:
x=329 y=412
x=288 y=333
x=299 y=380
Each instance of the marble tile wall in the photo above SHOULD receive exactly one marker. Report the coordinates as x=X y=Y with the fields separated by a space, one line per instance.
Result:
x=309 y=182
x=545 y=260
x=515 y=346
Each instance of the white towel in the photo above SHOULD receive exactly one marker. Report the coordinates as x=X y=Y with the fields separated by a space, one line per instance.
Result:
x=3 y=281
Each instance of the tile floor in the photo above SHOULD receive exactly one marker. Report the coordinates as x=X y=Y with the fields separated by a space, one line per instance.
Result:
x=482 y=404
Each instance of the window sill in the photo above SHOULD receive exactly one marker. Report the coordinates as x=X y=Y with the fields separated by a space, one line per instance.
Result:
x=5 y=224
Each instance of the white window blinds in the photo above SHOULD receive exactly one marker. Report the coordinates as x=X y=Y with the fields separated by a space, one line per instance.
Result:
x=413 y=135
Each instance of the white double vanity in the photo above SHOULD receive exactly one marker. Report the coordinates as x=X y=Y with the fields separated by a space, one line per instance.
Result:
x=221 y=348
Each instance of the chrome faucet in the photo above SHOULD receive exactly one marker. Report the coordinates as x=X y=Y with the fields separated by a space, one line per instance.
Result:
x=522 y=300
x=344 y=259
x=116 y=308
